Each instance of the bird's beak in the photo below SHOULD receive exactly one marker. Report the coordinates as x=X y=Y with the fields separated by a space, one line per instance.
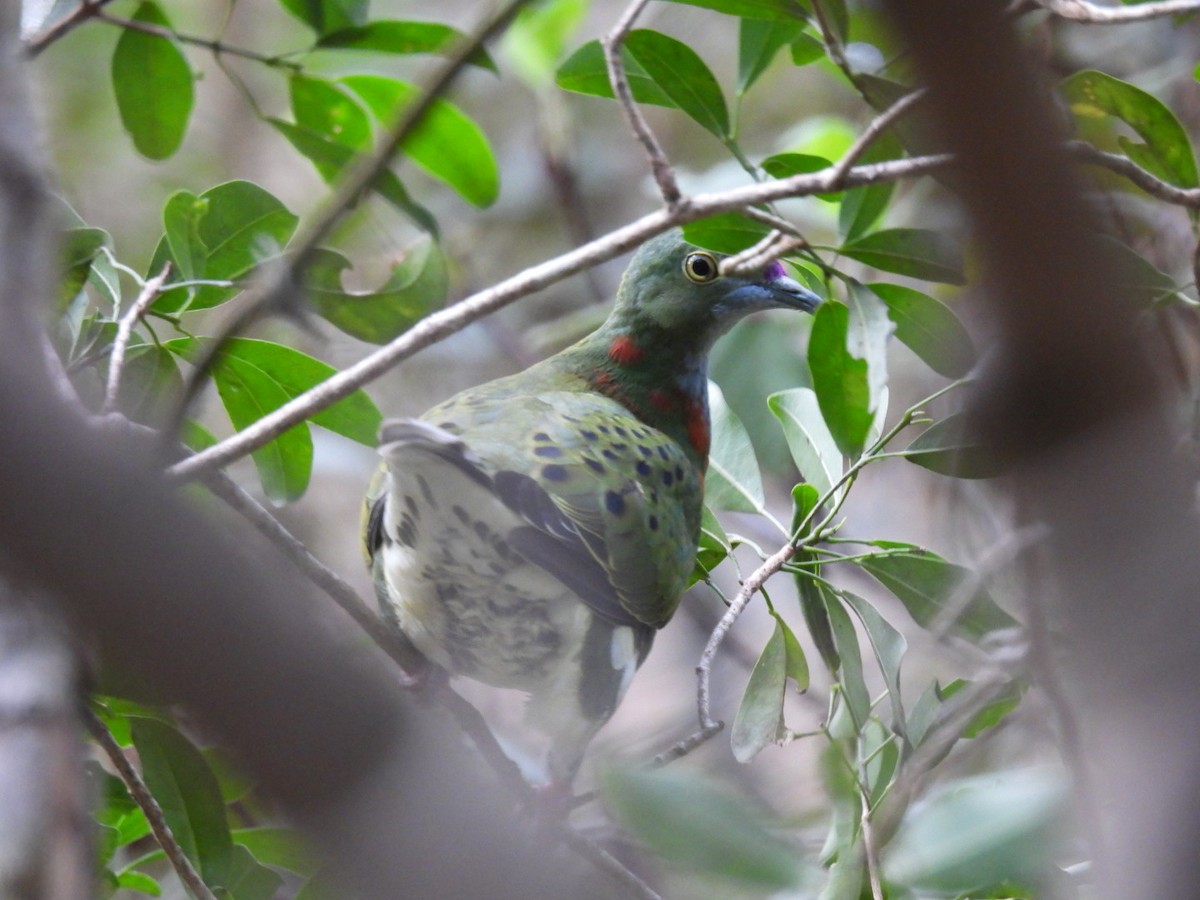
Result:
x=791 y=294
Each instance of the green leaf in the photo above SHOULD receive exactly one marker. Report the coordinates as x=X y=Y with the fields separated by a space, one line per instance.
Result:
x=403 y=38
x=813 y=448
x=248 y=393
x=1167 y=152
x=879 y=757
x=713 y=545
x=806 y=49
x=929 y=328
x=150 y=386
x=796 y=661
x=584 y=72
x=866 y=338
x=447 y=144
x=839 y=379
x=78 y=251
x=537 y=38
x=889 y=646
x=759 y=40
x=229 y=230
x=979 y=832
x=327 y=109
x=133 y=880
x=415 y=288
x=733 y=481
x=923 y=582
x=915 y=252
x=325 y=16
x=281 y=847
x=759 y=717
x=948 y=447
x=330 y=158
x=725 y=233
x=850 y=670
x=247 y=879
x=186 y=789
x=153 y=83
x=755 y=9
x=681 y=73
x=1142 y=282
x=862 y=206
x=684 y=819
x=256 y=377
x=785 y=165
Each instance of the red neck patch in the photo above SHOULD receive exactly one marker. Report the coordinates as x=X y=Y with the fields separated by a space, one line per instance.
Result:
x=624 y=351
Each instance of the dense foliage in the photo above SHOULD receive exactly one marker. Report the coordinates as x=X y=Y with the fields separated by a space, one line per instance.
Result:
x=902 y=814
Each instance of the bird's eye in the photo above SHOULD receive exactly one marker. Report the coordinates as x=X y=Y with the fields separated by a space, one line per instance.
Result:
x=700 y=267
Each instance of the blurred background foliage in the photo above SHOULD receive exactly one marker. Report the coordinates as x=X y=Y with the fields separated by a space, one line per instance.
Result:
x=173 y=146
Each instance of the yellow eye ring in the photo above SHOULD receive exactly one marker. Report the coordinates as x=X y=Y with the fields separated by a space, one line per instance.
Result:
x=701 y=267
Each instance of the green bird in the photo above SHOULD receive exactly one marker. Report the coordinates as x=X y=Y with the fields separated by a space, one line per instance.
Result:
x=534 y=532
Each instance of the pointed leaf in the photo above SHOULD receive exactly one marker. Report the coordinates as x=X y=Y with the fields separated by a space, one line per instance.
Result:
x=866 y=338
x=915 y=252
x=889 y=646
x=1167 y=152
x=247 y=879
x=153 y=83
x=806 y=49
x=923 y=582
x=400 y=37
x=949 y=447
x=929 y=328
x=1138 y=279
x=681 y=73
x=132 y=880
x=797 y=662
x=733 y=481
x=78 y=251
x=187 y=791
x=686 y=820
x=813 y=448
x=585 y=72
x=447 y=144
x=850 y=671
x=760 y=715
x=839 y=379
x=785 y=165
x=281 y=847
x=759 y=40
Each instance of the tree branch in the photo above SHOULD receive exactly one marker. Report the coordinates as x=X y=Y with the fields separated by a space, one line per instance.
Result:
x=216 y=47
x=149 y=806
x=441 y=324
x=87 y=9
x=1088 y=13
x=664 y=175
x=151 y=288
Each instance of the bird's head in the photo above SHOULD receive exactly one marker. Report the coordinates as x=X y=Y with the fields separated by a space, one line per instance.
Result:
x=677 y=288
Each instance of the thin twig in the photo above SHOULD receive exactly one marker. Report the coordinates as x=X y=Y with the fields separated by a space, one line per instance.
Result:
x=441 y=324
x=279 y=283
x=1088 y=13
x=149 y=806
x=770 y=248
x=664 y=175
x=871 y=133
x=682 y=748
x=870 y=850
x=151 y=288
x=1123 y=165
x=216 y=47
x=86 y=10
x=606 y=862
